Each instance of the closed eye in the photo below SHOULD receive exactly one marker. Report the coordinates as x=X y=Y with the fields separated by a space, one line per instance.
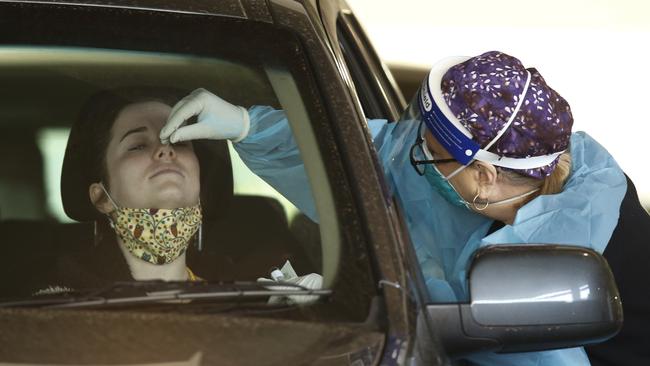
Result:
x=137 y=147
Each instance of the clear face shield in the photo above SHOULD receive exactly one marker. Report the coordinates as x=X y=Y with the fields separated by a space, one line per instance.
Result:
x=429 y=108
x=420 y=156
x=416 y=114
x=429 y=111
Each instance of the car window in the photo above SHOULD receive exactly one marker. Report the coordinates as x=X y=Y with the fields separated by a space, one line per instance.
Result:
x=270 y=217
x=43 y=100
x=379 y=97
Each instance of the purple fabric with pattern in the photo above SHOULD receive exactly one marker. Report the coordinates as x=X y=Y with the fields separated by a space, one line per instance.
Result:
x=483 y=91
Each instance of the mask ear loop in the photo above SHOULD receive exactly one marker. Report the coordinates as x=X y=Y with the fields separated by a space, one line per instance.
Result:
x=96 y=238
x=110 y=219
x=101 y=184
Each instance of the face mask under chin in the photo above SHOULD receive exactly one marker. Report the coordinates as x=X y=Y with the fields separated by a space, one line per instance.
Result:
x=157 y=236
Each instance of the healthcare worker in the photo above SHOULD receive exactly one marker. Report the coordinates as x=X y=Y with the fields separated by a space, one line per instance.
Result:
x=483 y=155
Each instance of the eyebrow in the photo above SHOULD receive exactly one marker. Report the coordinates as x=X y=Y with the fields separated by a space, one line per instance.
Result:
x=135 y=130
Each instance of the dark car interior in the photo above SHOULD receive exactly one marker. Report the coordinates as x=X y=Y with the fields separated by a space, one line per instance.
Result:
x=45 y=253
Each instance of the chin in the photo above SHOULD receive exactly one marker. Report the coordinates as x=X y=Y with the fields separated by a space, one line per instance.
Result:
x=170 y=199
x=174 y=196
x=176 y=203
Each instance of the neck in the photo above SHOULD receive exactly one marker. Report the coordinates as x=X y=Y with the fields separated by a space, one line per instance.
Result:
x=505 y=213
x=142 y=271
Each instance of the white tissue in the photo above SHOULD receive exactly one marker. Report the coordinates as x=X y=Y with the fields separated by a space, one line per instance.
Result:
x=312 y=281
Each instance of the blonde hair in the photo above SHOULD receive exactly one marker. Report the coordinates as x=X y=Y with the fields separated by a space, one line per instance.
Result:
x=555 y=182
x=550 y=185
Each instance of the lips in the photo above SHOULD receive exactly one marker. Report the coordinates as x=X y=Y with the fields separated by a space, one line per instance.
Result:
x=166 y=170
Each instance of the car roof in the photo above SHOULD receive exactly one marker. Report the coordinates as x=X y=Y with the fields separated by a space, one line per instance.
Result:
x=234 y=8
x=244 y=9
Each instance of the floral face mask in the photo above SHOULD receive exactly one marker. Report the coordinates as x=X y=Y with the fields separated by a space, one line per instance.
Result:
x=157 y=236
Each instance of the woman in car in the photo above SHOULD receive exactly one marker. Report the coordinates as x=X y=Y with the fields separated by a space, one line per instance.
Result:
x=143 y=195
x=483 y=155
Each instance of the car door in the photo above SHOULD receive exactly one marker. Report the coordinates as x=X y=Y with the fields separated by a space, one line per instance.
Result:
x=55 y=55
x=379 y=98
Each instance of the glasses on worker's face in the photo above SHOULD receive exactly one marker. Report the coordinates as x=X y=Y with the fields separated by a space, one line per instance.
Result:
x=420 y=155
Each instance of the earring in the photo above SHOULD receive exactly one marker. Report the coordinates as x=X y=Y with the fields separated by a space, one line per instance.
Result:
x=487 y=203
x=199 y=241
x=95 y=233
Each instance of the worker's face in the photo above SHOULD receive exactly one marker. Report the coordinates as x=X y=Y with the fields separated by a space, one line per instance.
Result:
x=144 y=173
x=463 y=182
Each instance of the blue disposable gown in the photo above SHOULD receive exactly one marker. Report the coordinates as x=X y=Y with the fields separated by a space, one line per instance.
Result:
x=445 y=236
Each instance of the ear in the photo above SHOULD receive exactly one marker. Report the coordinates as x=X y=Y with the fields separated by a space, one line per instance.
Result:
x=99 y=199
x=486 y=178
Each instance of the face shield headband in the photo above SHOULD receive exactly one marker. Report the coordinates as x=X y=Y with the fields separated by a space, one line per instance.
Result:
x=455 y=138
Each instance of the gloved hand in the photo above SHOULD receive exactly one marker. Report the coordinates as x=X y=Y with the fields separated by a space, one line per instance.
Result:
x=217 y=119
x=312 y=281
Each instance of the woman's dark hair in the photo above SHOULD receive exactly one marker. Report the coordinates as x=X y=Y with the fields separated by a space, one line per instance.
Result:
x=85 y=157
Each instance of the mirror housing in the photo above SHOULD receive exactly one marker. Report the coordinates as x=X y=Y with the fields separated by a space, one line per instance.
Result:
x=529 y=298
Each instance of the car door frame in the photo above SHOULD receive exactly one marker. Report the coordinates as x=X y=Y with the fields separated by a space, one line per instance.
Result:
x=335 y=14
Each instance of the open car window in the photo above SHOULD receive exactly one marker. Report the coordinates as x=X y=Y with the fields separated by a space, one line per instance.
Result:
x=255 y=229
x=270 y=217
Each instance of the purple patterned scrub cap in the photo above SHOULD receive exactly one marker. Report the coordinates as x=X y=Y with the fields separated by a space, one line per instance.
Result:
x=483 y=92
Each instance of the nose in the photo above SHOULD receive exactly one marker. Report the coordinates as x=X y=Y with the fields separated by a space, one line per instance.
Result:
x=165 y=151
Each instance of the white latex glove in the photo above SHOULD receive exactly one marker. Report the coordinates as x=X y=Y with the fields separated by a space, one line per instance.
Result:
x=217 y=119
x=312 y=281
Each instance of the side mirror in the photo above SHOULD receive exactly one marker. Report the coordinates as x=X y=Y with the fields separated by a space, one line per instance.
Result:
x=529 y=298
